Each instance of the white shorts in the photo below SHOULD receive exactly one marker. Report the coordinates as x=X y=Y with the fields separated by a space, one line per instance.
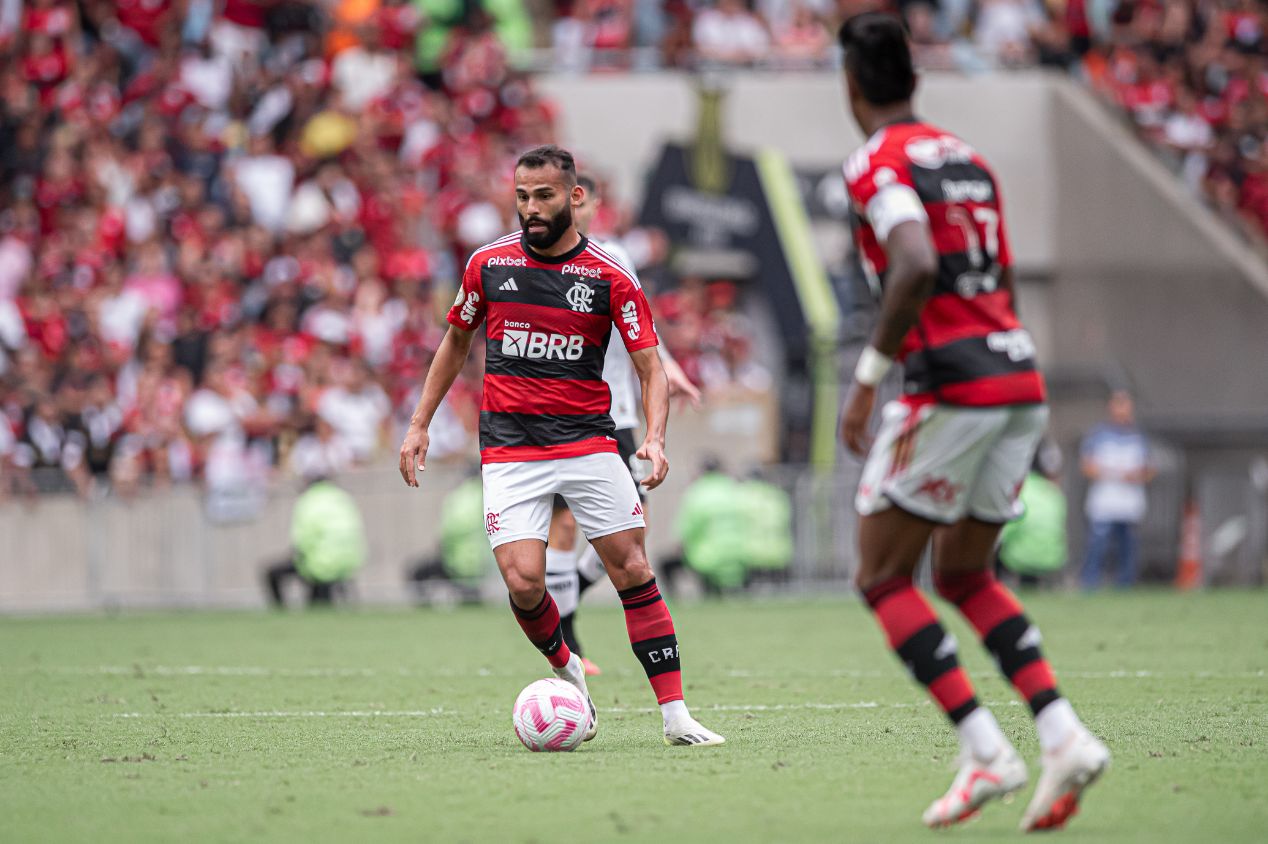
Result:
x=519 y=497
x=942 y=462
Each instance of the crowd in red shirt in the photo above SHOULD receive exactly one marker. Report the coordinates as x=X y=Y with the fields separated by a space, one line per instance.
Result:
x=1193 y=75
x=223 y=253
x=227 y=244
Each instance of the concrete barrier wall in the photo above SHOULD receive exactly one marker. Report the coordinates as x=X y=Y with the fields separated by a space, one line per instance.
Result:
x=160 y=550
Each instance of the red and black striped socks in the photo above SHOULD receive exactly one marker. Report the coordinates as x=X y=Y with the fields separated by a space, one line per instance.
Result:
x=541 y=626
x=652 y=637
x=921 y=642
x=1006 y=632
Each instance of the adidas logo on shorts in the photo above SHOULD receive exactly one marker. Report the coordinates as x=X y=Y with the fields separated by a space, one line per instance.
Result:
x=509 y=284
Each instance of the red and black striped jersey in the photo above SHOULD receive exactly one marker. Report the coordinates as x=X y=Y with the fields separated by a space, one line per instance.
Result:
x=968 y=347
x=549 y=320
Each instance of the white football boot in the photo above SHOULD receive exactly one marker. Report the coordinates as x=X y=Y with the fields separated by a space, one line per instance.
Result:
x=688 y=732
x=1066 y=772
x=976 y=784
x=575 y=673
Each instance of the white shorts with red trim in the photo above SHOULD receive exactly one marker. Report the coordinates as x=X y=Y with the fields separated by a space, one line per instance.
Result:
x=943 y=462
x=519 y=497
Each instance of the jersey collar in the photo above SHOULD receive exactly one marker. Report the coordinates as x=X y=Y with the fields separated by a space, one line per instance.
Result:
x=554 y=259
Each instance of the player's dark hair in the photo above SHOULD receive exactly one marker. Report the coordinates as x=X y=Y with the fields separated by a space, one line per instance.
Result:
x=548 y=156
x=878 y=56
x=588 y=184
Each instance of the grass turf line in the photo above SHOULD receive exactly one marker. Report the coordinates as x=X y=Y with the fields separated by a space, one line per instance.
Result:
x=1175 y=684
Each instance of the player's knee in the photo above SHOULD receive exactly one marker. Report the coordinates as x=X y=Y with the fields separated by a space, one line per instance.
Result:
x=526 y=589
x=632 y=570
x=872 y=575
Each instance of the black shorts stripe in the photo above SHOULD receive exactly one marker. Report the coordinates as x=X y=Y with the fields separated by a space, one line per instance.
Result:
x=515 y=429
x=969 y=359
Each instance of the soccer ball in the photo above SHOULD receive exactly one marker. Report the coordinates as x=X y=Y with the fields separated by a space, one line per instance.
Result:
x=551 y=715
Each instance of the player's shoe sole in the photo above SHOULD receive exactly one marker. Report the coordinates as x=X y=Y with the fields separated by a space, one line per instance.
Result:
x=594 y=721
x=592 y=670
x=1066 y=775
x=975 y=785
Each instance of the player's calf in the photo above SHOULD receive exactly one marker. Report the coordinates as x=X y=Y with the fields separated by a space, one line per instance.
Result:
x=1014 y=641
x=540 y=624
x=923 y=644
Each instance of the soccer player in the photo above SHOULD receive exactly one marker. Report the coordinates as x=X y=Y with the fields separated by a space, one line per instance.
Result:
x=551 y=299
x=952 y=453
x=571 y=571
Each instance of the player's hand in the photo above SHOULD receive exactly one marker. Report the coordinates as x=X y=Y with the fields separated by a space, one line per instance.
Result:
x=858 y=410
x=654 y=453
x=680 y=385
x=414 y=454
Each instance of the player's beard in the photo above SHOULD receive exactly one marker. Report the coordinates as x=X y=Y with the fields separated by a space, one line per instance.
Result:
x=555 y=228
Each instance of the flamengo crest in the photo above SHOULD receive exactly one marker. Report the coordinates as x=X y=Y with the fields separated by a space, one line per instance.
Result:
x=581 y=297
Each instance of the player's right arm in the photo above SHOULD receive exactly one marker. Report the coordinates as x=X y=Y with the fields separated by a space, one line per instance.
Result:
x=444 y=369
x=464 y=317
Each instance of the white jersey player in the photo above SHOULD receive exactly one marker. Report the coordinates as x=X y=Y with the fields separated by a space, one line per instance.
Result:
x=570 y=570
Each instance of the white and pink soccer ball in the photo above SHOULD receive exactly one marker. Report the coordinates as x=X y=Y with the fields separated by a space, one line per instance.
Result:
x=551 y=715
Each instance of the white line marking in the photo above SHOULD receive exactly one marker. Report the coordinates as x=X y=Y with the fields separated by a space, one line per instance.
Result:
x=630 y=710
x=316 y=713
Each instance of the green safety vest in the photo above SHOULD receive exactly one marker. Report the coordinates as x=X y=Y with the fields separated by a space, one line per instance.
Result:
x=327 y=534
x=464 y=544
x=712 y=525
x=768 y=518
x=1035 y=543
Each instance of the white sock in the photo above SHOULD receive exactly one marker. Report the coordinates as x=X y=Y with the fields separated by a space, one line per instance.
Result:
x=980 y=735
x=673 y=712
x=589 y=565
x=1054 y=723
x=572 y=671
x=561 y=579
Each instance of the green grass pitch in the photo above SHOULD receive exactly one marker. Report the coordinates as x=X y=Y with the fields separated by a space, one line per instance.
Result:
x=395 y=726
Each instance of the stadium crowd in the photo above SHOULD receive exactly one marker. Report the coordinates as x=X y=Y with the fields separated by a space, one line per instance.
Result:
x=229 y=228
x=228 y=237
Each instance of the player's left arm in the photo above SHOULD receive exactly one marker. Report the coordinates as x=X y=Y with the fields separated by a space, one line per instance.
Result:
x=651 y=375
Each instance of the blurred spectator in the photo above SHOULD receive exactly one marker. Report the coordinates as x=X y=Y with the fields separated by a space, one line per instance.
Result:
x=729 y=33
x=358 y=410
x=320 y=452
x=705 y=329
x=801 y=38
x=1115 y=459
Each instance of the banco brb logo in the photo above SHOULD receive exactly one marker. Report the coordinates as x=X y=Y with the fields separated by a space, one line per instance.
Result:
x=541 y=344
x=581 y=297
